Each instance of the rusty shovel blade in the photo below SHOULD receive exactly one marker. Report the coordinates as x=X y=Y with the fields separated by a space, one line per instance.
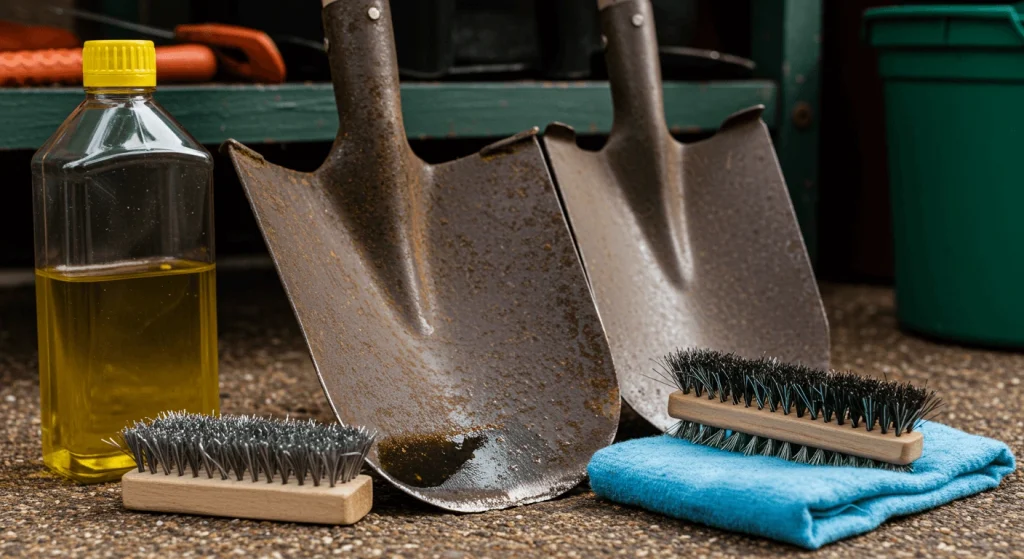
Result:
x=692 y=245
x=443 y=305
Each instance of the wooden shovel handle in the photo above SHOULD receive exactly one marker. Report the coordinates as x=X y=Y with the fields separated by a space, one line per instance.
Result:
x=847 y=439
x=178 y=63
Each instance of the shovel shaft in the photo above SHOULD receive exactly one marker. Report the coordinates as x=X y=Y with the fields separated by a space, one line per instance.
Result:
x=633 y=68
x=364 y=69
x=380 y=180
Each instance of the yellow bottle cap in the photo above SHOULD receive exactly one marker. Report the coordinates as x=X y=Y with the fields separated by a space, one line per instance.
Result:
x=119 y=64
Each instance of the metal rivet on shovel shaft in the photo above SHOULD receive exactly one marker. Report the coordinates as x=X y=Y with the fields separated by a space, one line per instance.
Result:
x=692 y=245
x=444 y=305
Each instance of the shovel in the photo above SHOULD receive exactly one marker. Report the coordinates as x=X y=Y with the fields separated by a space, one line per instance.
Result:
x=692 y=245
x=443 y=305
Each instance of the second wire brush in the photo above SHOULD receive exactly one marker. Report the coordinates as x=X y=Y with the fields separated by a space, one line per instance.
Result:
x=769 y=408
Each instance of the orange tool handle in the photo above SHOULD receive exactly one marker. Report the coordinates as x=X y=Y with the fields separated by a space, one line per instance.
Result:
x=259 y=59
x=178 y=63
x=15 y=36
x=185 y=63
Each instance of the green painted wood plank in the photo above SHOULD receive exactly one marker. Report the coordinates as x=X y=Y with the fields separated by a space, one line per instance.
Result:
x=306 y=112
x=787 y=49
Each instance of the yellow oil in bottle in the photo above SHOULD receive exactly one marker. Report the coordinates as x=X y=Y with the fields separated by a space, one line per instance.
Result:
x=120 y=343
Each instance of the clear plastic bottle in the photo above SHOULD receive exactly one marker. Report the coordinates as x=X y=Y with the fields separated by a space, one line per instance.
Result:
x=125 y=280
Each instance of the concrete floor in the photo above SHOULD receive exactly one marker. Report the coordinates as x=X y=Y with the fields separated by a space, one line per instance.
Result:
x=265 y=370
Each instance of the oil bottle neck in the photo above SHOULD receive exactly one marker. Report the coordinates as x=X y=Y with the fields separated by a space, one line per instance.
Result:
x=118 y=93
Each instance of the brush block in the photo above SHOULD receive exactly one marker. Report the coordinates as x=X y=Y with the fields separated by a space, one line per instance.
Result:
x=847 y=439
x=345 y=503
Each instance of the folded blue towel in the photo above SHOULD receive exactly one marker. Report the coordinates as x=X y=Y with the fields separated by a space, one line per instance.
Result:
x=808 y=506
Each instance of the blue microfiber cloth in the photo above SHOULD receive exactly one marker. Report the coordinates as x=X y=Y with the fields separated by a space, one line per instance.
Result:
x=808 y=506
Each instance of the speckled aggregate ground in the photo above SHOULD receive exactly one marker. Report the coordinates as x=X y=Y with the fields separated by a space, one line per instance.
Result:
x=265 y=370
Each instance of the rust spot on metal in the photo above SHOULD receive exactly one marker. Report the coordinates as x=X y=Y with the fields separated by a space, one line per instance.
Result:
x=508 y=143
x=429 y=460
x=608 y=404
x=233 y=147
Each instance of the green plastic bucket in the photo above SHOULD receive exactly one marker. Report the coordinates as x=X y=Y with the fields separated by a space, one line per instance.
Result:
x=954 y=85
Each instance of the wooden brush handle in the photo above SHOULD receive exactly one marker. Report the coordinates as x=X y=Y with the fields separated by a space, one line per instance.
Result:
x=345 y=503
x=857 y=441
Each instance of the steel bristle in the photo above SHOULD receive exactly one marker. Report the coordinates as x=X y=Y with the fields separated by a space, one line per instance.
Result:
x=240 y=447
x=829 y=396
